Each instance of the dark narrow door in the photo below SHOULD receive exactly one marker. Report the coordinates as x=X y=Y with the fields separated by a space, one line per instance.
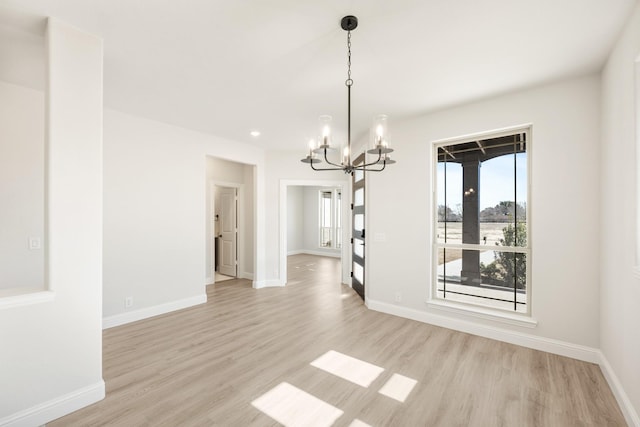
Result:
x=358 y=232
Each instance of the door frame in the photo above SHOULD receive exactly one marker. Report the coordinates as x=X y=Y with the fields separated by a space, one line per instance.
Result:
x=240 y=247
x=345 y=252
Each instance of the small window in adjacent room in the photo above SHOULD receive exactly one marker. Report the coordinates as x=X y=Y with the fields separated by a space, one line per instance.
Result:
x=330 y=219
x=338 y=214
x=481 y=243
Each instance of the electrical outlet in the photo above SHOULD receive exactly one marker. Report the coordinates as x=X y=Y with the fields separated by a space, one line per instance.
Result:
x=128 y=302
x=398 y=297
x=34 y=243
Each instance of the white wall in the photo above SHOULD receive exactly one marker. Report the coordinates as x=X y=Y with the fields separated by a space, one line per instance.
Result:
x=23 y=48
x=21 y=186
x=155 y=196
x=222 y=170
x=620 y=287
x=565 y=219
x=51 y=357
x=236 y=174
x=295 y=219
x=311 y=218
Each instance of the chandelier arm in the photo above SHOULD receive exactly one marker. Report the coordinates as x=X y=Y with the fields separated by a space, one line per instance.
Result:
x=323 y=169
x=372 y=163
x=326 y=159
x=363 y=168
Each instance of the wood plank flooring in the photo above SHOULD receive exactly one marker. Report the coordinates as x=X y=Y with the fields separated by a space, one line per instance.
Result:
x=203 y=366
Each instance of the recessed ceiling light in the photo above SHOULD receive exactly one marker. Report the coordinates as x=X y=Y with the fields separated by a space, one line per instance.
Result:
x=255 y=133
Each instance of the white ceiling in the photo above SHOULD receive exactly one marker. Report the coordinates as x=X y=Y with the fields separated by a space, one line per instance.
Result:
x=228 y=67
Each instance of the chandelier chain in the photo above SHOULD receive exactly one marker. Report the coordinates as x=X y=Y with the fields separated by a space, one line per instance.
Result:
x=349 y=81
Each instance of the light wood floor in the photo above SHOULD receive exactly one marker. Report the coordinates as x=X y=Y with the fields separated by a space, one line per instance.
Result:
x=204 y=366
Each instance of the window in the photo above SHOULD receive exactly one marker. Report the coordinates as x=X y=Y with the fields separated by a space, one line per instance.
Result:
x=481 y=228
x=330 y=219
x=338 y=213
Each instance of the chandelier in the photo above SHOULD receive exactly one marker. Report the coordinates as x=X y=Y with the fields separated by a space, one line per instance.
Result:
x=318 y=150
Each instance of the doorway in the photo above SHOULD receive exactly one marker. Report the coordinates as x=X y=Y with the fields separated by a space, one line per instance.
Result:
x=230 y=197
x=306 y=229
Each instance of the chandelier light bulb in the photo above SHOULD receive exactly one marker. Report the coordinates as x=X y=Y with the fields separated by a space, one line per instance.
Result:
x=379 y=133
x=380 y=126
x=325 y=131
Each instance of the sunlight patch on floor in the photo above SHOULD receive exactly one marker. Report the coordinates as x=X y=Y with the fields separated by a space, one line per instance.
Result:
x=348 y=368
x=358 y=423
x=293 y=407
x=398 y=387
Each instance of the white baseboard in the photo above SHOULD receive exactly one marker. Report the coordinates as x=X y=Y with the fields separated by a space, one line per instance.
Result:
x=55 y=408
x=208 y=280
x=156 y=310
x=11 y=298
x=246 y=275
x=259 y=284
x=630 y=414
x=562 y=348
x=318 y=253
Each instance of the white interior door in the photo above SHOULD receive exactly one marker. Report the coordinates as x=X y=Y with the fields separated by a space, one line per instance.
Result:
x=228 y=238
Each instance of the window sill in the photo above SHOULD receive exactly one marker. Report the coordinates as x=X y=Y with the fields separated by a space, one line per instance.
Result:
x=482 y=313
x=11 y=298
